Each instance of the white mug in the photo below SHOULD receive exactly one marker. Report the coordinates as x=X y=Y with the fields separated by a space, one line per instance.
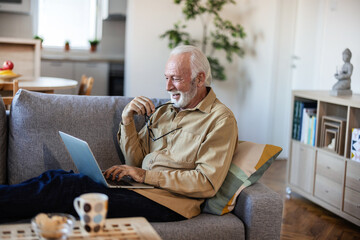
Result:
x=92 y=209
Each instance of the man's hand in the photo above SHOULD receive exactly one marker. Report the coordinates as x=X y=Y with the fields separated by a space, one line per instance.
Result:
x=138 y=174
x=140 y=106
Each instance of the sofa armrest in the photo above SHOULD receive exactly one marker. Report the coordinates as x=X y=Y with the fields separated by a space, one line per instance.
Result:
x=260 y=209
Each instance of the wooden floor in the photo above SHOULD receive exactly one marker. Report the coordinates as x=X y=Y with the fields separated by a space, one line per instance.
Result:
x=303 y=219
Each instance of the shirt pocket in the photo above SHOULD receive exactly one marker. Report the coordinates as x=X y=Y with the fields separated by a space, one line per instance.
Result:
x=158 y=144
x=185 y=146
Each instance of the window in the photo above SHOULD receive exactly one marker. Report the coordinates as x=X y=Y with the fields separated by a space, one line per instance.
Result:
x=68 y=20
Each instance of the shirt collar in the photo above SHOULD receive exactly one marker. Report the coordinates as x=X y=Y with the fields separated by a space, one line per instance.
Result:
x=206 y=104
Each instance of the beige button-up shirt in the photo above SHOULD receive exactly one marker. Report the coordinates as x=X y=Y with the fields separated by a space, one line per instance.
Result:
x=190 y=163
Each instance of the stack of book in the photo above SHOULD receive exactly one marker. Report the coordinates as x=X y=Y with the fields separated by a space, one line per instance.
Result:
x=333 y=133
x=304 y=122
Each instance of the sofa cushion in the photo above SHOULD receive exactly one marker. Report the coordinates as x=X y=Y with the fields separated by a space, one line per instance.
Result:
x=248 y=164
x=35 y=119
x=3 y=142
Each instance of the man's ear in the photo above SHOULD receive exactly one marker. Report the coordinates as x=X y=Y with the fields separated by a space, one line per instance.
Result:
x=200 y=79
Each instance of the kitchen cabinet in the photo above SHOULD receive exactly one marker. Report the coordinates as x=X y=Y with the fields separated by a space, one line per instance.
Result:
x=57 y=69
x=74 y=69
x=99 y=71
x=115 y=9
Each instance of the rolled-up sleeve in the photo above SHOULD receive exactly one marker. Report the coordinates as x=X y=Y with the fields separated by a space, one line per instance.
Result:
x=132 y=144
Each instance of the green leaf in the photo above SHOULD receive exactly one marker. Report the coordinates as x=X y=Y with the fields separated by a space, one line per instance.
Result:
x=217 y=70
x=225 y=36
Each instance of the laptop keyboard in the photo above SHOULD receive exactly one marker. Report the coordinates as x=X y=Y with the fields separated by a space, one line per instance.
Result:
x=125 y=181
x=117 y=183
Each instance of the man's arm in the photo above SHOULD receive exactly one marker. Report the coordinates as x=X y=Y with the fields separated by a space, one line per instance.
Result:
x=129 y=137
x=140 y=106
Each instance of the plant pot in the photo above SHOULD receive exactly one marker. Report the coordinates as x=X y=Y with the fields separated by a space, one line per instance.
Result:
x=67 y=47
x=93 y=47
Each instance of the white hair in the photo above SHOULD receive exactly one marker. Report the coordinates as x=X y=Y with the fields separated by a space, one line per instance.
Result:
x=198 y=61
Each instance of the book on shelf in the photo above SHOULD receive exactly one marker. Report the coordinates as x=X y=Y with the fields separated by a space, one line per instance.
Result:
x=296 y=118
x=311 y=128
x=303 y=122
x=308 y=118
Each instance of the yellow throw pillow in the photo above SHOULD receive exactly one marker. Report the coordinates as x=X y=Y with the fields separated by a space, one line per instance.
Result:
x=249 y=163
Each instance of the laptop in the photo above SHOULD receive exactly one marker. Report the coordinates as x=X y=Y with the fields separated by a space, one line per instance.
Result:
x=86 y=163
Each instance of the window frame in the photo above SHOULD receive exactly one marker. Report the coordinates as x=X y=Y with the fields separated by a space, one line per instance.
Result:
x=98 y=26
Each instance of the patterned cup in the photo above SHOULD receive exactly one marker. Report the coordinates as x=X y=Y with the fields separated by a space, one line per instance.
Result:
x=92 y=209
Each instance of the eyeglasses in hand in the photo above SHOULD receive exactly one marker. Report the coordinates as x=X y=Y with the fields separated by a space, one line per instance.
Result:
x=149 y=123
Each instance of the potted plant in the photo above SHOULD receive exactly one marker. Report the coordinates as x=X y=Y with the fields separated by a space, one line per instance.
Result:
x=223 y=36
x=39 y=38
x=67 y=46
x=93 y=44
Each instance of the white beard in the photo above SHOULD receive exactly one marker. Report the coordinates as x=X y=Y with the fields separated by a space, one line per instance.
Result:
x=185 y=97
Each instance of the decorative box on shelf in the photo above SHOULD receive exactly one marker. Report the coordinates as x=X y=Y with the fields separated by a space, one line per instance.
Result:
x=355 y=144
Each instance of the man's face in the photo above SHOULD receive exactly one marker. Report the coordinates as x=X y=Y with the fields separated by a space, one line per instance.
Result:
x=181 y=87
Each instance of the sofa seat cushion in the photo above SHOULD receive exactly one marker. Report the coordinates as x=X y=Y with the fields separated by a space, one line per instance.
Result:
x=35 y=119
x=204 y=226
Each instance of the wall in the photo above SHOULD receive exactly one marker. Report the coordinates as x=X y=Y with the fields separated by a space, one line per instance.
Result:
x=246 y=92
x=113 y=38
x=324 y=29
x=252 y=103
x=340 y=30
x=145 y=53
x=279 y=121
x=16 y=25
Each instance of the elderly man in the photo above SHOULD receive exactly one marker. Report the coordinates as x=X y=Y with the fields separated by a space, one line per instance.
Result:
x=184 y=150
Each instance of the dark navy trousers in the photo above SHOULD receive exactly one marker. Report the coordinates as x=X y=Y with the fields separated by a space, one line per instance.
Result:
x=55 y=191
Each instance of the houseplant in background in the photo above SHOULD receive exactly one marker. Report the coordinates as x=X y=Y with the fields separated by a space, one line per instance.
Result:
x=39 y=38
x=67 y=46
x=224 y=36
x=93 y=45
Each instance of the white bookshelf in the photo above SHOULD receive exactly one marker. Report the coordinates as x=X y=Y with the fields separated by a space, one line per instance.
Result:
x=326 y=177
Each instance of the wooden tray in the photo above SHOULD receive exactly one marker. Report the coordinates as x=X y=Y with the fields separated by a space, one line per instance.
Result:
x=115 y=229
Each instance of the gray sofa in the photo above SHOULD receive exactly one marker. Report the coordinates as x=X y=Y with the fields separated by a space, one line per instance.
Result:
x=30 y=144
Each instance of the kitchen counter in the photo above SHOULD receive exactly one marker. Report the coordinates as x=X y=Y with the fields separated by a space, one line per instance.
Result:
x=106 y=69
x=83 y=56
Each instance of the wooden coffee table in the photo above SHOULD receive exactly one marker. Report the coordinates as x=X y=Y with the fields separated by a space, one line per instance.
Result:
x=115 y=229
